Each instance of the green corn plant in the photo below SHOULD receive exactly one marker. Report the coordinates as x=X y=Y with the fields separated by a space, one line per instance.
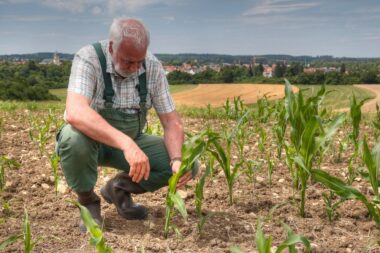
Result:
x=342 y=148
x=331 y=206
x=199 y=199
x=6 y=163
x=356 y=116
x=223 y=155
x=270 y=167
x=262 y=139
x=1 y=125
x=308 y=134
x=376 y=121
x=351 y=172
x=9 y=241
x=264 y=109
x=264 y=244
x=191 y=151
x=227 y=108
x=29 y=244
x=372 y=162
x=40 y=132
x=346 y=192
x=54 y=161
x=279 y=129
x=252 y=168
x=96 y=234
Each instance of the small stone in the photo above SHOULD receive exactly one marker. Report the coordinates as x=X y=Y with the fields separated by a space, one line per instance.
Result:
x=182 y=193
x=45 y=186
x=348 y=250
x=34 y=186
x=281 y=180
x=252 y=215
x=24 y=192
x=358 y=179
x=8 y=184
x=246 y=148
x=62 y=187
x=51 y=178
x=260 y=179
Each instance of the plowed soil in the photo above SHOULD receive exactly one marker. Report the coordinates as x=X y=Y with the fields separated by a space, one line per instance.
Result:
x=56 y=222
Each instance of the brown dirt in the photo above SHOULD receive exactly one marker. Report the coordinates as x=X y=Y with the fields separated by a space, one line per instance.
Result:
x=56 y=221
x=216 y=94
x=370 y=106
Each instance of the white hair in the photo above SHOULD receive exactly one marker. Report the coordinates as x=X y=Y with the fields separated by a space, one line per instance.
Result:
x=129 y=28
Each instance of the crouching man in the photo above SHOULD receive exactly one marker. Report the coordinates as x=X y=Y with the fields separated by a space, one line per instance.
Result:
x=112 y=85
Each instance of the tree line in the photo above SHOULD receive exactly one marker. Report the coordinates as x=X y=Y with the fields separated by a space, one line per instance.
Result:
x=32 y=81
x=293 y=72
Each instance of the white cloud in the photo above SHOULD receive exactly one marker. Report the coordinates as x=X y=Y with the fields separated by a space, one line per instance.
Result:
x=278 y=7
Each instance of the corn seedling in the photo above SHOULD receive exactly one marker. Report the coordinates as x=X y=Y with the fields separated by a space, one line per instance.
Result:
x=28 y=242
x=191 y=151
x=372 y=161
x=39 y=132
x=199 y=199
x=262 y=139
x=5 y=164
x=252 y=168
x=331 y=206
x=264 y=109
x=223 y=156
x=308 y=134
x=264 y=244
x=279 y=130
x=356 y=116
x=346 y=192
x=227 y=108
x=342 y=148
x=93 y=228
x=54 y=161
x=270 y=167
x=9 y=241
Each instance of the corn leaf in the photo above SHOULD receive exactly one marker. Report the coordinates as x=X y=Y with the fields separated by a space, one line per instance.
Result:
x=235 y=249
x=179 y=204
x=10 y=240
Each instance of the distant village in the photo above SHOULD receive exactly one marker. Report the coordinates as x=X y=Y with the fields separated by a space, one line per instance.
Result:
x=192 y=69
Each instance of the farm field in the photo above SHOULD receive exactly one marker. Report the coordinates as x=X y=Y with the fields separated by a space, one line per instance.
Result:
x=262 y=191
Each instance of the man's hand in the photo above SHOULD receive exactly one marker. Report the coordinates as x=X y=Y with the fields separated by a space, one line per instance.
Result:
x=185 y=178
x=138 y=162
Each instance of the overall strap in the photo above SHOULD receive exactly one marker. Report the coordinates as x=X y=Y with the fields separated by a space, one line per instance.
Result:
x=142 y=88
x=108 y=91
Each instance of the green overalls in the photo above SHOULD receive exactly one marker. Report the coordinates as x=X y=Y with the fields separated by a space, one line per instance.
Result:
x=80 y=155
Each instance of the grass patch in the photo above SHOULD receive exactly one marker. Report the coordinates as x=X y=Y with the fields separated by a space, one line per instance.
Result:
x=181 y=87
x=340 y=95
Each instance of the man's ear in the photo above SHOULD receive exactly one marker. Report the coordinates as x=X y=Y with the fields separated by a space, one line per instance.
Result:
x=110 y=49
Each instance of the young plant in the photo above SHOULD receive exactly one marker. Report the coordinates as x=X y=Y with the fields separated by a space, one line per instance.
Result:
x=308 y=134
x=264 y=244
x=54 y=161
x=331 y=206
x=10 y=240
x=28 y=243
x=270 y=167
x=279 y=129
x=199 y=199
x=223 y=155
x=262 y=139
x=372 y=161
x=356 y=116
x=191 y=151
x=252 y=168
x=6 y=163
x=97 y=238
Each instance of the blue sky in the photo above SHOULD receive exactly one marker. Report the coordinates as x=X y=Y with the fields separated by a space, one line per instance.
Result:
x=315 y=27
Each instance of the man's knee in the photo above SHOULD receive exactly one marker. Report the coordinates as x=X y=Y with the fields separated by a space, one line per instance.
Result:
x=74 y=143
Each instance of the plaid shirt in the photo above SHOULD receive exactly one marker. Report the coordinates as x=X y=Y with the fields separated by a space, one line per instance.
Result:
x=86 y=79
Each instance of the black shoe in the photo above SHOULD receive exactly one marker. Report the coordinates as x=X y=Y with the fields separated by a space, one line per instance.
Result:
x=92 y=202
x=118 y=191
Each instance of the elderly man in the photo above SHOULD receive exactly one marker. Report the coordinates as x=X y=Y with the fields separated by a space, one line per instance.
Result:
x=112 y=85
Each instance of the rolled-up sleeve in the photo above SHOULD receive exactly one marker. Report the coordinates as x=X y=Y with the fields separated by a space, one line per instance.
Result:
x=161 y=98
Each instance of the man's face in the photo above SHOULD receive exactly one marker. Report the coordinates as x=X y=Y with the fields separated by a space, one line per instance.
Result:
x=127 y=59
